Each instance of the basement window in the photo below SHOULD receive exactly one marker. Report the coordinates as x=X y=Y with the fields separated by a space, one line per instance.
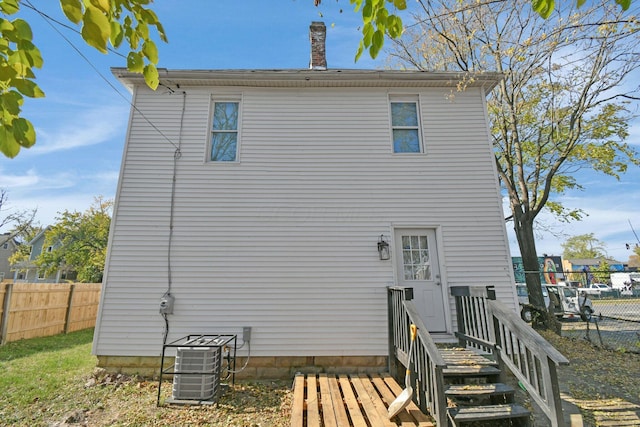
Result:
x=405 y=125
x=224 y=131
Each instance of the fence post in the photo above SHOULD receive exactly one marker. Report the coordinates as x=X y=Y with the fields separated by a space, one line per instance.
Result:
x=4 y=320
x=67 y=317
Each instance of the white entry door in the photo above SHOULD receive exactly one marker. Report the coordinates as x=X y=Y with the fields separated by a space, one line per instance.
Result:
x=418 y=268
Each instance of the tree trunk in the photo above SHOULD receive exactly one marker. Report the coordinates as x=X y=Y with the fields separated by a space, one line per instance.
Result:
x=523 y=226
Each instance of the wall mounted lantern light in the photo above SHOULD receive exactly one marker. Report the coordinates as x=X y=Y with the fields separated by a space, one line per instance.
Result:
x=383 y=248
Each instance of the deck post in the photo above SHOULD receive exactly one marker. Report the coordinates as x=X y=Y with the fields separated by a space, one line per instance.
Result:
x=392 y=363
x=557 y=416
x=440 y=403
x=458 y=292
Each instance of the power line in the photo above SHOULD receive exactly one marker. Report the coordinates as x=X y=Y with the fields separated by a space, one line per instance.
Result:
x=49 y=21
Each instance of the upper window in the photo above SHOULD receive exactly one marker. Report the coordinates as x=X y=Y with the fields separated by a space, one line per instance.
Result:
x=405 y=125
x=224 y=132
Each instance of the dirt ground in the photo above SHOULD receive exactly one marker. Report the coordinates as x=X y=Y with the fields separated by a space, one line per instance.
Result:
x=603 y=384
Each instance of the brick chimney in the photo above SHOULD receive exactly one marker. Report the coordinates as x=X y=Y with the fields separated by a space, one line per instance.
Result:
x=317 y=35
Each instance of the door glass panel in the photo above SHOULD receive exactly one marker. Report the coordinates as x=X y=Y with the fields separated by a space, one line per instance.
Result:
x=415 y=258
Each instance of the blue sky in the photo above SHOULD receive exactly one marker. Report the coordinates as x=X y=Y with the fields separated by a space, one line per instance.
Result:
x=82 y=121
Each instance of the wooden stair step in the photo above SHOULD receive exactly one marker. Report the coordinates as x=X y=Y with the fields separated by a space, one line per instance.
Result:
x=470 y=370
x=487 y=413
x=478 y=390
x=465 y=357
x=455 y=360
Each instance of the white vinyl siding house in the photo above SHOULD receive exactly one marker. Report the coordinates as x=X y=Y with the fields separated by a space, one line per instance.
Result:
x=283 y=238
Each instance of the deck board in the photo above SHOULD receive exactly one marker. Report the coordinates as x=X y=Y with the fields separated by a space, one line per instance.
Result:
x=328 y=400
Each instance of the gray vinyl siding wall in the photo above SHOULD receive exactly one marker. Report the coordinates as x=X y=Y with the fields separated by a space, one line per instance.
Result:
x=285 y=239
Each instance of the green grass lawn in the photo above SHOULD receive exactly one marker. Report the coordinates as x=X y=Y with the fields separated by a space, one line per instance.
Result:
x=45 y=381
x=38 y=371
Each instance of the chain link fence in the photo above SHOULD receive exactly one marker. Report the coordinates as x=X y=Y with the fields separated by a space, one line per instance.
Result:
x=615 y=320
x=614 y=325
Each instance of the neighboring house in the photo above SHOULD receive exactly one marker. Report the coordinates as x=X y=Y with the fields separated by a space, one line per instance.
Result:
x=29 y=272
x=7 y=247
x=258 y=198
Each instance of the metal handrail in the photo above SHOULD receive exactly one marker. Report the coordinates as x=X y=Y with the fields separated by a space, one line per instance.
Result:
x=427 y=376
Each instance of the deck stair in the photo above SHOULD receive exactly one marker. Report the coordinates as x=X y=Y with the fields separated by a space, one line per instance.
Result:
x=475 y=395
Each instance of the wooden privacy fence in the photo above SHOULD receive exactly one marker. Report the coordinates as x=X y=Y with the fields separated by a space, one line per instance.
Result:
x=29 y=310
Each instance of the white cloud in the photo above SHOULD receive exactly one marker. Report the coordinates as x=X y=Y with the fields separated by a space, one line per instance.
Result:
x=90 y=128
x=608 y=219
x=15 y=181
x=50 y=207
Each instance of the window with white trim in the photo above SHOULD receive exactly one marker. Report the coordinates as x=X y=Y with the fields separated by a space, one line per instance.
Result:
x=405 y=125
x=224 y=131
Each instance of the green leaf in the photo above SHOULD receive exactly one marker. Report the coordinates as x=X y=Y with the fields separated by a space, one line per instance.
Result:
x=24 y=132
x=8 y=144
x=359 y=51
x=400 y=4
x=9 y=6
x=161 y=32
x=117 y=35
x=19 y=61
x=151 y=76
x=367 y=12
x=96 y=28
x=149 y=16
x=6 y=73
x=143 y=31
x=28 y=88
x=381 y=17
x=23 y=29
x=5 y=25
x=135 y=62
x=103 y=5
x=367 y=33
x=31 y=53
x=358 y=4
x=543 y=7
x=72 y=10
x=376 y=43
x=624 y=4
x=394 y=26
x=11 y=102
x=150 y=50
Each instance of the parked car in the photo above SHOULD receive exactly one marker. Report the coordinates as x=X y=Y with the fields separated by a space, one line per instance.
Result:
x=596 y=289
x=523 y=299
x=567 y=301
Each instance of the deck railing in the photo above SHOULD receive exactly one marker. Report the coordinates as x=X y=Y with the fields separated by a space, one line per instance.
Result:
x=426 y=377
x=487 y=324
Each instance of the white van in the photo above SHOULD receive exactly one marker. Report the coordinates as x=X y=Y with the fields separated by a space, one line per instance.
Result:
x=625 y=282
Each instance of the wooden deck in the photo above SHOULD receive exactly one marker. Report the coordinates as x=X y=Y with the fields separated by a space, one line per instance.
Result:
x=332 y=400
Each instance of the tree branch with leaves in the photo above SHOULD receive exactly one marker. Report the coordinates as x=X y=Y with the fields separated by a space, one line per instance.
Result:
x=562 y=105
x=19 y=222
x=104 y=24
x=79 y=242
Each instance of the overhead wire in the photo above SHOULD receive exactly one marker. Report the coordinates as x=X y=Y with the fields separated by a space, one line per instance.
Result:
x=177 y=154
x=49 y=21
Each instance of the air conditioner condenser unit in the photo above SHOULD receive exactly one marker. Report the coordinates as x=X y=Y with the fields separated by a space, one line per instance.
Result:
x=197 y=373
